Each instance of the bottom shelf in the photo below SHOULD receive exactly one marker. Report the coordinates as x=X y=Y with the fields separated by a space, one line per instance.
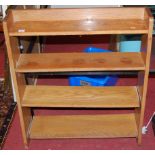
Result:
x=83 y=126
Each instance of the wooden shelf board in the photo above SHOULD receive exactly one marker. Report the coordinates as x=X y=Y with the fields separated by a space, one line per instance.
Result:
x=85 y=96
x=79 y=27
x=83 y=126
x=64 y=62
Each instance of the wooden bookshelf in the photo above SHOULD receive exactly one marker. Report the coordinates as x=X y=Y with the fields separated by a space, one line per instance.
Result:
x=86 y=21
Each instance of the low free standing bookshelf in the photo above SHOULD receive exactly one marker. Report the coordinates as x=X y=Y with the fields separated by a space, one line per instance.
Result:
x=85 y=21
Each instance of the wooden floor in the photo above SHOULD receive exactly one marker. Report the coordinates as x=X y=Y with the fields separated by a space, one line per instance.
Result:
x=83 y=126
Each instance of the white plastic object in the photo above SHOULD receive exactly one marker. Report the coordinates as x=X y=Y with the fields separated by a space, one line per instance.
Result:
x=145 y=128
x=21 y=47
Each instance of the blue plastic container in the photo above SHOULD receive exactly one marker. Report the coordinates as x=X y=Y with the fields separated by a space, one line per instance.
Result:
x=93 y=80
x=130 y=43
x=95 y=50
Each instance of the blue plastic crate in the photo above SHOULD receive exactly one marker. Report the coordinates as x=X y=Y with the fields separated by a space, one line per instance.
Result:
x=92 y=80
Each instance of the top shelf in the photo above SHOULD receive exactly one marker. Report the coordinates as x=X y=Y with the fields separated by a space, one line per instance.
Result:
x=82 y=27
x=83 y=21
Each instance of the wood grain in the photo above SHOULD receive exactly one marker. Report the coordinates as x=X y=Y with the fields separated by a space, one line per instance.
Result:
x=143 y=86
x=54 y=62
x=84 y=96
x=19 y=83
x=83 y=126
x=55 y=14
x=79 y=22
x=80 y=27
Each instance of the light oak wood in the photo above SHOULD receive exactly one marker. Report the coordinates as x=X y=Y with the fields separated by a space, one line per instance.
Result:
x=83 y=126
x=78 y=27
x=19 y=83
x=144 y=86
x=78 y=14
x=80 y=22
x=86 y=96
x=53 y=62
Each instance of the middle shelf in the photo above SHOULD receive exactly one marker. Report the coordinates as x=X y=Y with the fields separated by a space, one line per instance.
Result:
x=63 y=62
x=85 y=96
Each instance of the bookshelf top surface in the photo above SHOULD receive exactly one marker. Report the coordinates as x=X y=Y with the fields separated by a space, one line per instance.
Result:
x=78 y=21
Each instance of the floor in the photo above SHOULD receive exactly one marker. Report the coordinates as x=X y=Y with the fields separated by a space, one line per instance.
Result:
x=14 y=137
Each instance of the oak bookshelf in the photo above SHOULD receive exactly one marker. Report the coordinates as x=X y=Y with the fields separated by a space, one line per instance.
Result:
x=85 y=21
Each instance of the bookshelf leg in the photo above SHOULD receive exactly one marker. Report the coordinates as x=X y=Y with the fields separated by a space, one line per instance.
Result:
x=25 y=122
